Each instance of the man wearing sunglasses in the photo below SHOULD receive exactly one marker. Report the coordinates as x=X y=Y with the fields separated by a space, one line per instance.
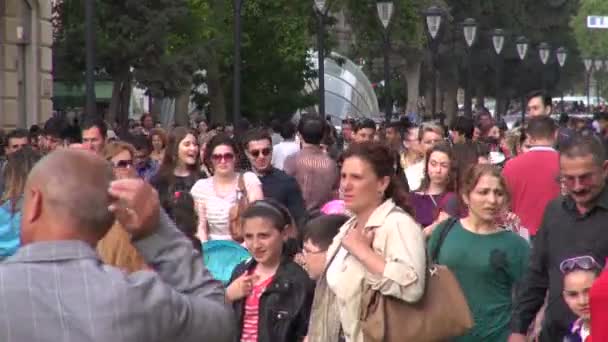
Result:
x=574 y=224
x=276 y=184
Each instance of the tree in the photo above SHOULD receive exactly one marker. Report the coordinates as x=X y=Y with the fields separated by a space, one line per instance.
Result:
x=131 y=36
x=591 y=42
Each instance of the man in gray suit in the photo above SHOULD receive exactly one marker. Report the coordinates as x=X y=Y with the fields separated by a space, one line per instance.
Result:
x=56 y=289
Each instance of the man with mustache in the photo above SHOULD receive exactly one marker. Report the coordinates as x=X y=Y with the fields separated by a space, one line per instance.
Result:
x=572 y=225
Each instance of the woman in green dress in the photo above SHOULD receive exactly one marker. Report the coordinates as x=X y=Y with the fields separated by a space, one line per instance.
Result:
x=487 y=259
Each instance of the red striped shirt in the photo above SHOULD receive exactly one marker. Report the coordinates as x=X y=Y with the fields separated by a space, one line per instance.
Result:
x=252 y=312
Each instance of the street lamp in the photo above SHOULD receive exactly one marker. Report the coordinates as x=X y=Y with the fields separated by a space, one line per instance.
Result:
x=562 y=55
x=469 y=29
x=589 y=69
x=89 y=21
x=321 y=6
x=521 y=43
x=544 y=51
x=433 y=16
x=385 y=13
x=599 y=65
x=498 y=41
x=238 y=31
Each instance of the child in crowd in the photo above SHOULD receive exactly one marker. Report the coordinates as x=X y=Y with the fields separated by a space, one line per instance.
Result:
x=579 y=275
x=270 y=293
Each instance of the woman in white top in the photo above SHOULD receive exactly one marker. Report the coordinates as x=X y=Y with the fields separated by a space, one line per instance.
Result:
x=380 y=247
x=215 y=196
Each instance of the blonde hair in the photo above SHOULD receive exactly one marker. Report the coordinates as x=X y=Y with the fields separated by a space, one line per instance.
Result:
x=116 y=147
x=430 y=127
x=116 y=249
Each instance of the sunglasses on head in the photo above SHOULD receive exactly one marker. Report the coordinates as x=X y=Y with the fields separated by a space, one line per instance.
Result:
x=256 y=153
x=585 y=263
x=227 y=157
x=123 y=164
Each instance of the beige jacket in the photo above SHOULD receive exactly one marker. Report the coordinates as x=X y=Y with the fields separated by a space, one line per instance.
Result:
x=400 y=240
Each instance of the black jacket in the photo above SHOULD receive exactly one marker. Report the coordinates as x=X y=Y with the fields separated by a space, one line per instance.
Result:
x=564 y=233
x=284 y=307
x=283 y=188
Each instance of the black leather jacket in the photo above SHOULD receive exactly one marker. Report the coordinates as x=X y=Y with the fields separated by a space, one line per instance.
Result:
x=284 y=306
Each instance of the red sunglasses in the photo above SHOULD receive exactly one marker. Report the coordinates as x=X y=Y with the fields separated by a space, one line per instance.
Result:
x=227 y=157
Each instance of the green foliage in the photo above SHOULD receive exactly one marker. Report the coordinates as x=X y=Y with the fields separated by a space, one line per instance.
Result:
x=591 y=42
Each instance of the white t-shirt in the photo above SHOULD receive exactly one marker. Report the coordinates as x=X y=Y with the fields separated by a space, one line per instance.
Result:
x=281 y=151
x=414 y=175
x=217 y=208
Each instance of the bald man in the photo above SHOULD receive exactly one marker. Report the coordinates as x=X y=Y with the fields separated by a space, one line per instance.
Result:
x=55 y=288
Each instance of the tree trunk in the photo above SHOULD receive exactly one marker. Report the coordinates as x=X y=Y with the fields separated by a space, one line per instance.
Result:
x=125 y=100
x=155 y=108
x=114 y=102
x=217 y=100
x=411 y=73
x=182 y=102
x=481 y=95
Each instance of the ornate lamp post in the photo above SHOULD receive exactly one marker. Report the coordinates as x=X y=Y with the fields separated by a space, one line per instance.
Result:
x=434 y=18
x=238 y=31
x=589 y=69
x=498 y=41
x=544 y=52
x=599 y=67
x=562 y=55
x=522 y=45
x=385 y=13
x=321 y=6
x=469 y=28
x=89 y=10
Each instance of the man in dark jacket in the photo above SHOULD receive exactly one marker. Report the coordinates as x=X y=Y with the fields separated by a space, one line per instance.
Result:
x=573 y=225
x=276 y=184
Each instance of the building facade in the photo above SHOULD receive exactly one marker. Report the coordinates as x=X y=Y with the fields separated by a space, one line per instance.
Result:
x=26 y=82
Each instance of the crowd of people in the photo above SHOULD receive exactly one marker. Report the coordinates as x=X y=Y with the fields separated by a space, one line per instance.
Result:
x=275 y=233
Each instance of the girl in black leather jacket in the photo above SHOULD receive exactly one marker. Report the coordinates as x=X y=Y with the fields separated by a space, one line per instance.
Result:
x=270 y=293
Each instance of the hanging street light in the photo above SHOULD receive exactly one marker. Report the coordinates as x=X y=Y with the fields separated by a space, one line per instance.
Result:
x=433 y=17
x=544 y=51
x=562 y=55
x=469 y=29
x=589 y=68
x=599 y=66
x=522 y=44
x=522 y=47
x=385 y=14
x=498 y=42
x=321 y=7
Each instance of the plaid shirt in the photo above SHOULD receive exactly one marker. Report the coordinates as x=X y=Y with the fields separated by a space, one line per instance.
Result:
x=60 y=291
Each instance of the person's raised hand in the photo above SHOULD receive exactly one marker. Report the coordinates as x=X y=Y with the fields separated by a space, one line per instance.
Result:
x=357 y=239
x=136 y=206
x=241 y=287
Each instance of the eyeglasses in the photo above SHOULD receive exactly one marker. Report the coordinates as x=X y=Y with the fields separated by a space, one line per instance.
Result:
x=226 y=157
x=256 y=153
x=585 y=263
x=123 y=164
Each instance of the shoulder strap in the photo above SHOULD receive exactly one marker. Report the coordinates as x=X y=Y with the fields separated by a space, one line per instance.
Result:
x=445 y=230
x=241 y=184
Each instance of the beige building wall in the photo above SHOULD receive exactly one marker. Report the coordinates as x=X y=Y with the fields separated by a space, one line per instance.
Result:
x=26 y=83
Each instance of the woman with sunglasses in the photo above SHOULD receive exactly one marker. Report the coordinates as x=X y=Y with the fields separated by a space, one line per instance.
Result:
x=487 y=260
x=579 y=275
x=215 y=196
x=116 y=248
